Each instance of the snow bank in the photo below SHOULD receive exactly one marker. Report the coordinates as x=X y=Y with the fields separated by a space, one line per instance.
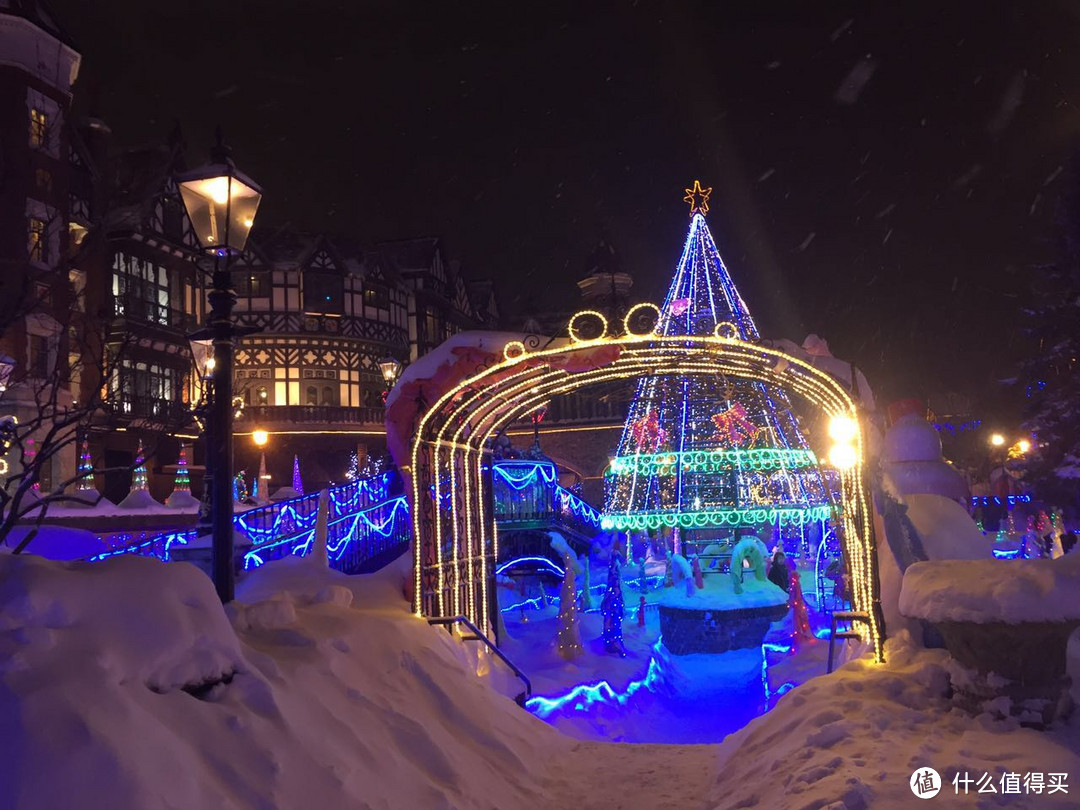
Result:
x=1009 y=591
x=320 y=690
x=853 y=739
x=56 y=542
x=338 y=696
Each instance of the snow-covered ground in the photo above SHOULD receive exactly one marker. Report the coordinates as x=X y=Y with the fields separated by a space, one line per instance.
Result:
x=320 y=690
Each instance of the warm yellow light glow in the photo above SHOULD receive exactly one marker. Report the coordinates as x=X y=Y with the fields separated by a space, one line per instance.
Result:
x=633 y=311
x=842 y=429
x=997 y=440
x=843 y=456
x=211 y=364
x=514 y=350
x=726 y=330
x=260 y=437
x=248 y=223
x=572 y=330
x=1023 y=445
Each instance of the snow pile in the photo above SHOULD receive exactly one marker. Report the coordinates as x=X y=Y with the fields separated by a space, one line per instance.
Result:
x=55 y=542
x=982 y=591
x=329 y=693
x=124 y=684
x=719 y=594
x=854 y=738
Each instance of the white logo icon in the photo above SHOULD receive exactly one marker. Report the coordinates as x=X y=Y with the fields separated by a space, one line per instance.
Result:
x=925 y=783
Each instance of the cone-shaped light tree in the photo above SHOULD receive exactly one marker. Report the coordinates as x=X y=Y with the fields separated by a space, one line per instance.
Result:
x=138 y=475
x=708 y=451
x=86 y=469
x=297 y=483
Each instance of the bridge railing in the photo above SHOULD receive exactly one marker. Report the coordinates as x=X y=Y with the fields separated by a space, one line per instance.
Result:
x=368 y=519
x=528 y=496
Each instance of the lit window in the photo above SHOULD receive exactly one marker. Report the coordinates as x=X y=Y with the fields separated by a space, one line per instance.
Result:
x=37 y=247
x=39 y=128
x=262 y=394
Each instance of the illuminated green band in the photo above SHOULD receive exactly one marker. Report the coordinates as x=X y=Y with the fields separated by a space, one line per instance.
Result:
x=758 y=458
x=788 y=515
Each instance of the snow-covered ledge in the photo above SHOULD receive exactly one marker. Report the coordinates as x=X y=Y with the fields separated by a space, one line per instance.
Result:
x=1006 y=624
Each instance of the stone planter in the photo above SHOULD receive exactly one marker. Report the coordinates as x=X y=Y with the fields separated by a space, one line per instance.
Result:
x=687 y=631
x=1023 y=662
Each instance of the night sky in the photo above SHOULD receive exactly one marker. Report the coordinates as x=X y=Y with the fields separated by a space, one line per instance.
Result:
x=884 y=177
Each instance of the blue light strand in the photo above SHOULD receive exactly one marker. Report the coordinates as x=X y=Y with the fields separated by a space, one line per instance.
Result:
x=988 y=500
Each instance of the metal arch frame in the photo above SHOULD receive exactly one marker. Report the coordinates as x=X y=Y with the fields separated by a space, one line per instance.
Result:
x=458 y=543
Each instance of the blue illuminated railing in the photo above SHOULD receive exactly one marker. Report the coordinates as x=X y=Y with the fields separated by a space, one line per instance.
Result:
x=528 y=496
x=367 y=519
x=994 y=500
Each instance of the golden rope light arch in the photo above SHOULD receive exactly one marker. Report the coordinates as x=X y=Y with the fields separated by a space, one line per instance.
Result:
x=453 y=520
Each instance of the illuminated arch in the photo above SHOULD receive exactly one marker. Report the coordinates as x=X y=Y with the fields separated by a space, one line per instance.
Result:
x=457 y=543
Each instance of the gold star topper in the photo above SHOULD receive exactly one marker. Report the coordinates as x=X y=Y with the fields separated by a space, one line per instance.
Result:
x=698 y=198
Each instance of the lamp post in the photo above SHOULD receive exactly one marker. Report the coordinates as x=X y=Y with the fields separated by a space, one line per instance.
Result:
x=221 y=203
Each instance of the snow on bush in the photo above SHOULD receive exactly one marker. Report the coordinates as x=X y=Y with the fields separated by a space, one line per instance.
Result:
x=1009 y=591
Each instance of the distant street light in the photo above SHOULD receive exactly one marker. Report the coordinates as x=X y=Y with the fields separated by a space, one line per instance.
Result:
x=1023 y=446
x=997 y=440
x=260 y=437
x=221 y=203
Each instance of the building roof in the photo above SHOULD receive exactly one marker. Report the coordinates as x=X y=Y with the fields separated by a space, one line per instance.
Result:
x=37 y=13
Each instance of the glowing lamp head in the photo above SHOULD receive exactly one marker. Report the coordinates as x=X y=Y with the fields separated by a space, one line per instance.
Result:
x=220 y=202
x=843 y=456
x=390 y=369
x=1023 y=445
x=211 y=364
x=260 y=437
x=843 y=429
x=997 y=440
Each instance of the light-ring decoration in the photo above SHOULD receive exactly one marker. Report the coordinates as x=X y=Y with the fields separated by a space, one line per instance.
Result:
x=514 y=350
x=577 y=338
x=726 y=330
x=630 y=314
x=4 y=466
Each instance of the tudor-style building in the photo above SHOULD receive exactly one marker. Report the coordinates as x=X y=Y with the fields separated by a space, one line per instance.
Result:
x=327 y=312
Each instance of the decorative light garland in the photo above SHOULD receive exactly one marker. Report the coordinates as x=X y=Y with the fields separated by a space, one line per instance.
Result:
x=782 y=515
x=708 y=461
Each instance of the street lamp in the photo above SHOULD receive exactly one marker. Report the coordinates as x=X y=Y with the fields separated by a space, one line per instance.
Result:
x=260 y=437
x=390 y=369
x=997 y=440
x=221 y=203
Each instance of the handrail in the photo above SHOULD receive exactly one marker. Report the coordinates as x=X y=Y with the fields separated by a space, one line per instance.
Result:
x=449 y=621
x=849 y=616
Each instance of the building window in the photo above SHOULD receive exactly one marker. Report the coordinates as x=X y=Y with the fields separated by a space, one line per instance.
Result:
x=145 y=389
x=141 y=290
x=324 y=292
x=377 y=296
x=37 y=350
x=329 y=395
x=262 y=396
x=246 y=282
x=38 y=244
x=39 y=128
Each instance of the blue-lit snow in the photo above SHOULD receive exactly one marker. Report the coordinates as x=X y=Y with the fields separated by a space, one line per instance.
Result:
x=651 y=696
